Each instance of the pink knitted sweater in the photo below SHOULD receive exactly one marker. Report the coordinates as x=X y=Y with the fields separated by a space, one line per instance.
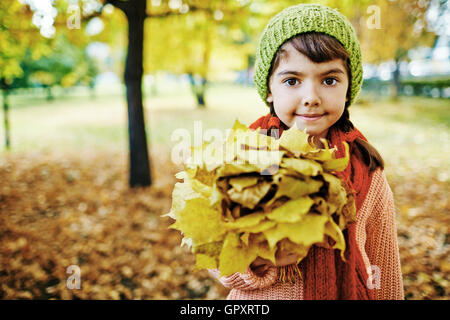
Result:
x=376 y=236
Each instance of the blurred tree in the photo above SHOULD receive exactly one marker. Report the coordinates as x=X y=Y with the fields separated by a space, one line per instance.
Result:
x=193 y=41
x=17 y=37
x=136 y=13
x=67 y=65
x=30 y=56
x=391 y=28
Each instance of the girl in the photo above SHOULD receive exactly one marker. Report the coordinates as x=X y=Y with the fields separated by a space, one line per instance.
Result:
x=309 y=71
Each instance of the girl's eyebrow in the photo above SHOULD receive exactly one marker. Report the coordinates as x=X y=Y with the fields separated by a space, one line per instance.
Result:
x=297 y=73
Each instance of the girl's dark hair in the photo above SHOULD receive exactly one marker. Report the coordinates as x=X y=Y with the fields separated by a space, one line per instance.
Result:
x=320 y=47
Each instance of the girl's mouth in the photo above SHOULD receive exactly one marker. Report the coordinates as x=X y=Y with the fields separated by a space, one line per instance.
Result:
x=309 y=118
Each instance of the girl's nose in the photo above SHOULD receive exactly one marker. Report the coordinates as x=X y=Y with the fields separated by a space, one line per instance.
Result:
x=310 y=97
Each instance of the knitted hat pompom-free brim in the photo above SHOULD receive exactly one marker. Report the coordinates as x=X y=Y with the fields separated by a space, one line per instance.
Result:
x=304 y=18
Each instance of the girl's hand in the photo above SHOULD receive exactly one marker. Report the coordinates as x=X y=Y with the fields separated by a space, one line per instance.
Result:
x=282 y=258
x=260 y=266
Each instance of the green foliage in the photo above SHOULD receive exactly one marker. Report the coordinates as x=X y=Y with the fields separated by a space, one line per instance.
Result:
x=67 y=65
x=435 y=82
x=17 y=37
x=209 y=42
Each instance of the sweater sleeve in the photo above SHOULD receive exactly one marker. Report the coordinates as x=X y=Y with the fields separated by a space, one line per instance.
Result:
x=382 y=246
x=247 y=280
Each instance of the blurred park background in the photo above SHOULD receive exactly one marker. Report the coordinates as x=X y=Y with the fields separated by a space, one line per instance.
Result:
x=92 y=91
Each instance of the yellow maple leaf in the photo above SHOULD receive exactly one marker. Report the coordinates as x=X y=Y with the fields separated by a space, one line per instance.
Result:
x=306 y=232
x=295 y=141
x=333 y=231
x=236 y=256
x=203 y=261
x=249 y=197
x=198 y=221
x=337 y=196
x=241 y=182
x=247 y=221
x=291 y=211
x=305 y=167
x=294 y=188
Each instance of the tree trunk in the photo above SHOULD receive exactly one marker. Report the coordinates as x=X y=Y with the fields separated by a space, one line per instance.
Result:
x=140 y=174
x=49 y=93
x=92 y=93
x=198 y=90
x=248 y=71
x=396 y=78
x=6 y=117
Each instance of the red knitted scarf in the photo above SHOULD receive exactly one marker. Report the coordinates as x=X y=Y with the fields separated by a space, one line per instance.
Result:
x=325 y=275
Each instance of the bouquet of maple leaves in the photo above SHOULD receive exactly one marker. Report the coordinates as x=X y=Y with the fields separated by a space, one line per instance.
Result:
x=255 y=194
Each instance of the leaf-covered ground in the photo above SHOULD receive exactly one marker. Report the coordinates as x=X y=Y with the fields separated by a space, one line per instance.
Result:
x=58 y=210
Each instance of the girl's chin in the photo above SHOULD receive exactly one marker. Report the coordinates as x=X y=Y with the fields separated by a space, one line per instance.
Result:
x=302 y=126
x=311 y=130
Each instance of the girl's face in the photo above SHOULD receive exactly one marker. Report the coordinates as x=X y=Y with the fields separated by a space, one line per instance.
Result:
x=308 y=94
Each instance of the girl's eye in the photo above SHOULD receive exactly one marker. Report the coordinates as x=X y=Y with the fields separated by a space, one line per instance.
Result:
x=291 y=81
x=327 y=81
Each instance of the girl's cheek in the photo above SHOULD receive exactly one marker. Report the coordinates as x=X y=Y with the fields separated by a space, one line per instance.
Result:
x=282 y=109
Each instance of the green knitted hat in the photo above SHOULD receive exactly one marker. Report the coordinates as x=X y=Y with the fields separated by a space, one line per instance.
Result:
x=306 y=18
